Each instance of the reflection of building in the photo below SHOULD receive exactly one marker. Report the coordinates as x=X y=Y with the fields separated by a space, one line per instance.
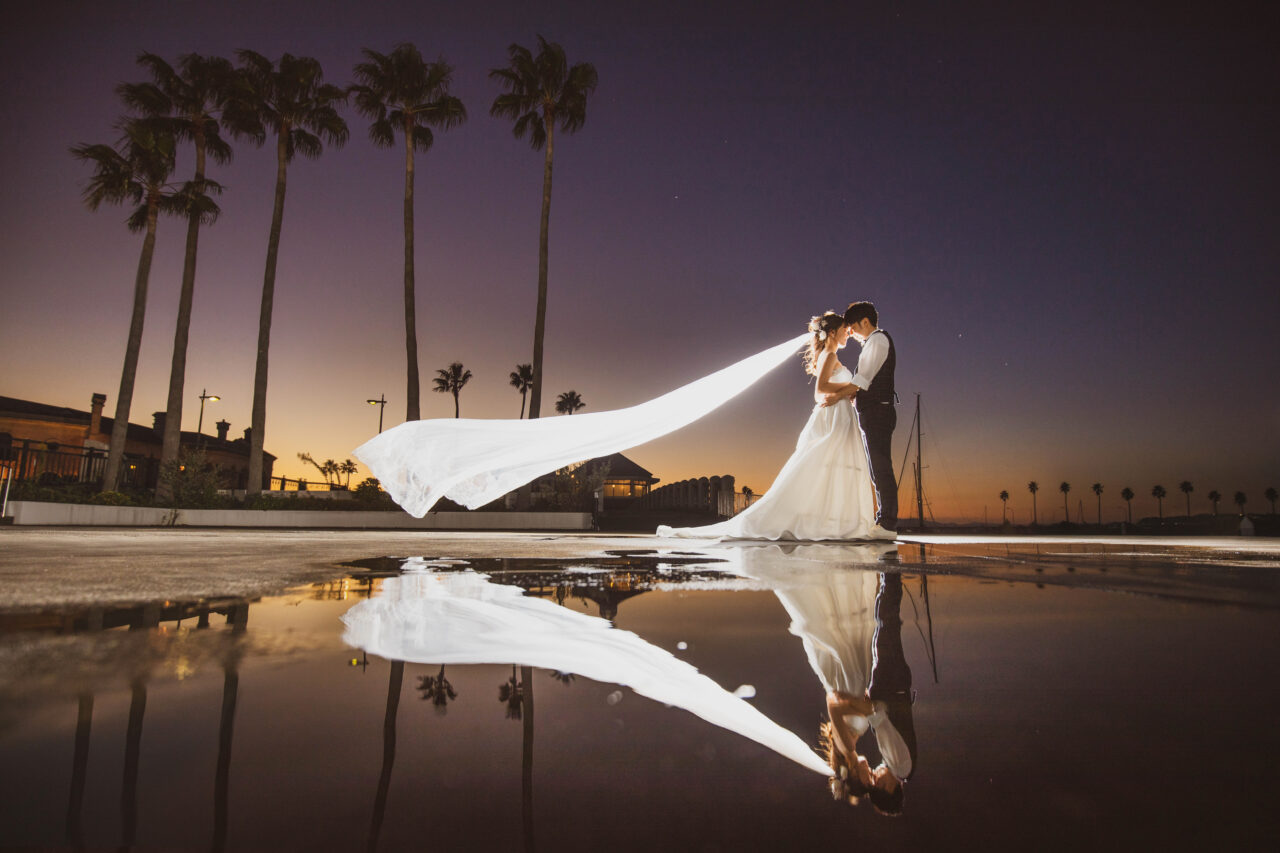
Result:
x=36 y=438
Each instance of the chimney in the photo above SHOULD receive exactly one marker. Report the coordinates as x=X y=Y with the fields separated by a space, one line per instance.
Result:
x=223 y=426
x=158 y=421
x=248 y=431
x=95 y=414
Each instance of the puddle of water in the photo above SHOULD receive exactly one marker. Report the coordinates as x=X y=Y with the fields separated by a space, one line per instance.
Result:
x=646 y=700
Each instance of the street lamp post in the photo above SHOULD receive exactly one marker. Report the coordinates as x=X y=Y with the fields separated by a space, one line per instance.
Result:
x=204 y=395
x=381 y=403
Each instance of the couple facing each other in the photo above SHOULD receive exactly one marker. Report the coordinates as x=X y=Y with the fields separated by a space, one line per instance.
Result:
x=839 y=483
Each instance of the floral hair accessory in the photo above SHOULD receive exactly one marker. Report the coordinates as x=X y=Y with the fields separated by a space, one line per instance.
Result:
x=822 y=336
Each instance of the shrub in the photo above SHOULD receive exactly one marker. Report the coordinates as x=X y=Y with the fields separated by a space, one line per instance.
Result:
x=109 y=498
x=192 y=481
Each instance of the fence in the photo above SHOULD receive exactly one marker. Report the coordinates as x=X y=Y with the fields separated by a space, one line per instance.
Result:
x=704 y=494
x=38 y=462
x=304 y=485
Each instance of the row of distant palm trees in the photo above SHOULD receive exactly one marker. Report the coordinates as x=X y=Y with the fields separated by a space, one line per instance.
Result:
x=204 y=97
x=1127 y=494
x=452 y=379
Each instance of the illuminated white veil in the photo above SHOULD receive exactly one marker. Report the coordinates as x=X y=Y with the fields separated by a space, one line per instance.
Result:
x=474 y=461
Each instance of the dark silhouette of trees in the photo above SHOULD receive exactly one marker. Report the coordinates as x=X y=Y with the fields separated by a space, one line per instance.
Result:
x=569 y=402
x=542 y=93
x=1214 y=496
x=289 y=100
x=404 y=94
x=1240 y=500
x=511 y=692
x=1033 y=487
x=522 y=381
x=1186 y=488
x=438 y=689
x=1065 y=488
x=135 y=171
x=1004 y=501
x=1097 y=490
x=1127 y=494
x=1270 y=495
x=451 y=380
x=1159 y=493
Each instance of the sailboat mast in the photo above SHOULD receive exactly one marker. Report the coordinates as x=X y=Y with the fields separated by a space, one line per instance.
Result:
x=919 y=469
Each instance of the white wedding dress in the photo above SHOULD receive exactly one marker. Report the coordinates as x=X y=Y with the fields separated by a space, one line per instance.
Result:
x=822 y=492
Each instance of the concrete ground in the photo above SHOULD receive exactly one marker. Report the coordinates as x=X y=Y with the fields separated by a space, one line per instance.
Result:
x=50 y=567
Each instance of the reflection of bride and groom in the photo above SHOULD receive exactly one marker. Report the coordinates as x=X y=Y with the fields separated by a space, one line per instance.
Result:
x=837 y=485
x=847 y=618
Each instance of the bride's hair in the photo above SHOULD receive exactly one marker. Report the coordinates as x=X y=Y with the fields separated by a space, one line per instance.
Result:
x=820 y=328
x=844 y=784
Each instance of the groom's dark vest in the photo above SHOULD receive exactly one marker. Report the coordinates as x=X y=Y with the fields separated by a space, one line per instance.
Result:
x=881 y=390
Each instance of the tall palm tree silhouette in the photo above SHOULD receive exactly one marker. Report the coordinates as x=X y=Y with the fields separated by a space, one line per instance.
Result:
x=290 y=100
x=190 y=99
x=1270 y=495
x=406 y=95
x=1127 y=494
x=1065 y=487
x=1097 y=490
x=522 y=381
x=1004 y=500
x=1159 y=493
x=135 y=171
x=569 y=402
x=1186 y=488
x=1240 y=500
x=542 y=93
x=451 y=380
x=1214 y=496
x=1033 y=487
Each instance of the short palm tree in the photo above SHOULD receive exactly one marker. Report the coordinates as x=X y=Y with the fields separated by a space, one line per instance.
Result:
x=438 y=689
x=522 y=381
x=290 y=100
x=1065 y=487
x=569 y=402
x=1159 y=493
x=348 y=467
x=404 y=94
x=1033 y=487
x=1214 y=496
x=511 y=694
x=542 y=93
x=1240 y=500
x=1186 y=488
x=451 y=380
x=1270 y=495
x=190 y=99
x=1127 y=494
x=136 y=171
x=1097 y=490
x=1004 y=500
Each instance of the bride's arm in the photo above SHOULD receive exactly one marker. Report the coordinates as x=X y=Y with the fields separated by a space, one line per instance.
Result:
x=828 y=392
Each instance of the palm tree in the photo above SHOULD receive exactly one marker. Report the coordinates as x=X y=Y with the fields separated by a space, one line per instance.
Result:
x=291 y=100
x=136 y=171
x=1270 y=495
x=450 y=381
x=522 y=381
x=569 y=402
x=542 y=93
x=1240 y=500
x=1214 y=496
x=404 y=94
x=1097 y=490
x=348 y=467
x=190 y=98
x=1159 y=493
x=438 y=689
x=1033 y=487
x=1004 y=501
x=1186 y=488
x=511 y=693
x=1127 y=494
x=1065 y=487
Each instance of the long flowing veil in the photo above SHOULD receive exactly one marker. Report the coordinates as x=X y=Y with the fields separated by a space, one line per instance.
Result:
x=475 y=461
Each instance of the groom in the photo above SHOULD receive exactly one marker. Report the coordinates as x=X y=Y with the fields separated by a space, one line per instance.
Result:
x=875 y=400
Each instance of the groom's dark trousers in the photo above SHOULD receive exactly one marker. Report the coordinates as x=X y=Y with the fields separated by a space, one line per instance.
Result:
x=878 y=418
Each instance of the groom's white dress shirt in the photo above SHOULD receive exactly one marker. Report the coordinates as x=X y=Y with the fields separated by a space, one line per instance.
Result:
x=874 y=351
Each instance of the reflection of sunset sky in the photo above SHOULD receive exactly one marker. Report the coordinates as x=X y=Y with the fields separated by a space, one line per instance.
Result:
x=1068 y=228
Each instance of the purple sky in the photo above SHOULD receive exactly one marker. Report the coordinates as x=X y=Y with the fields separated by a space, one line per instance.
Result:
x=1068 y=224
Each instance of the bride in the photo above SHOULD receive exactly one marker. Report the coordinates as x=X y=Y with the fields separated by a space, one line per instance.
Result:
x=824 y=490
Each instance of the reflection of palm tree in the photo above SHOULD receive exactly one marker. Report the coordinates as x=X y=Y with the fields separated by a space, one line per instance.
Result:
x=512 y=693
x=565 y=678
x=1159 y=493
x=522 y=381
x=1033 y=487
x=405 y=95
x=1240 y=500
x=543 y=92
x=438 y=689
x=1004 y=501
x=1214 y=496
x=79 y=771
x=1270 y=495
x=451 y=380
x=1186 y=488
x=1127 y=494
x=394 y=683
x=132 y=751
x=569 y=402
x=1097 y=490
x=526 y=758
x=226 y=728
x=1065 y=487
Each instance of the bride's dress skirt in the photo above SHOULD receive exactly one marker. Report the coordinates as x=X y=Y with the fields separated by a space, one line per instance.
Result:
x=822 y=492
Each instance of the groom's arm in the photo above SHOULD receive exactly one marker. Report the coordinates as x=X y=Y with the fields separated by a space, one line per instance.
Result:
x=874 y=353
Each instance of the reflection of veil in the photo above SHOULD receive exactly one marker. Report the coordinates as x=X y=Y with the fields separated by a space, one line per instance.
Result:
x=460 y=617
x=832 y=593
